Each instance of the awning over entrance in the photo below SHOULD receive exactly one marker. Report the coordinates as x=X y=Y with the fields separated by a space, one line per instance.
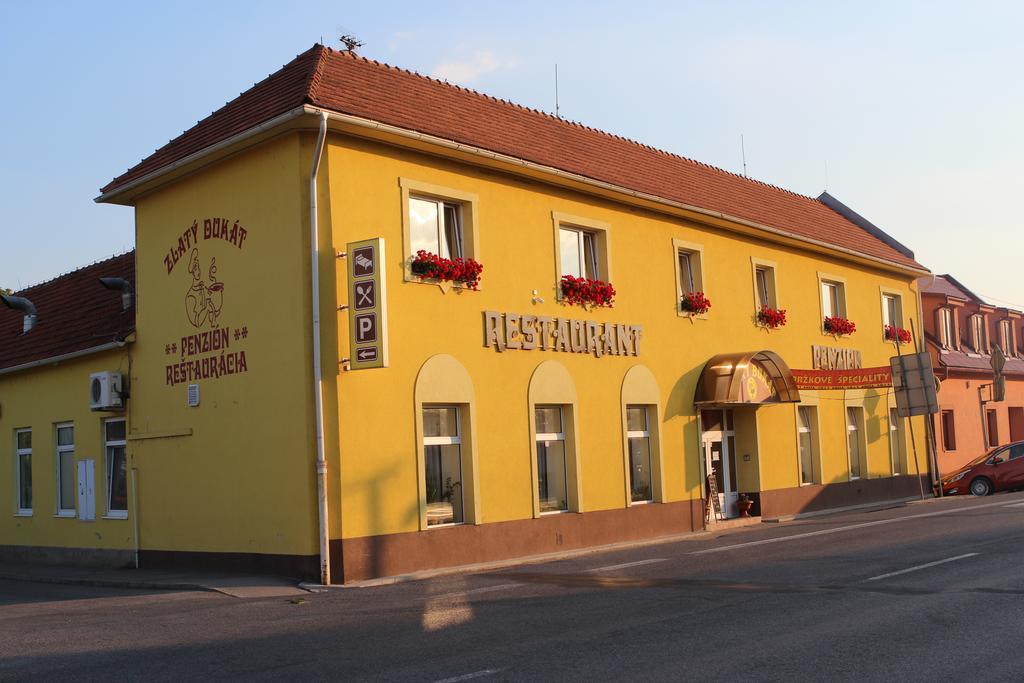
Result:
x=755 y=377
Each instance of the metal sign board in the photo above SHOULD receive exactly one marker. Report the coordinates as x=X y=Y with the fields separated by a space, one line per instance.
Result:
x=913 y=382
x=367 y=310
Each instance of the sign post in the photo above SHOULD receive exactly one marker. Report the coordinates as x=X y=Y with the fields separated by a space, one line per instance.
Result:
x=913 y=383
x=367 y=305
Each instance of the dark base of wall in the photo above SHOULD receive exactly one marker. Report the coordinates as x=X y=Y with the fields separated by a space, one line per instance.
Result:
x=304 y=567
x=75 y=557
x=792 y=501
x=376 y=556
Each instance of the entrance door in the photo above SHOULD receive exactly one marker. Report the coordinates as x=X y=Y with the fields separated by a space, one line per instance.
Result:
x=719 y=440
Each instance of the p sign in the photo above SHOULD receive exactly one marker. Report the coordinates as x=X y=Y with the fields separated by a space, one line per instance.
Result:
x=367 y=305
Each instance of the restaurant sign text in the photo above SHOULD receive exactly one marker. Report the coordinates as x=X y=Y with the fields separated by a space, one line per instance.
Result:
x=514 y=331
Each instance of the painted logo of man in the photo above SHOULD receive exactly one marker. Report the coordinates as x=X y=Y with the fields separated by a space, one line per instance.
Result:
x=203 y=302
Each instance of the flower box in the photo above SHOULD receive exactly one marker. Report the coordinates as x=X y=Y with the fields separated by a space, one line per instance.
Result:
x=694 y=302
x=839 y=326
x=583 y=291
x=770 y=317
x=897 y=334
x=464 y=271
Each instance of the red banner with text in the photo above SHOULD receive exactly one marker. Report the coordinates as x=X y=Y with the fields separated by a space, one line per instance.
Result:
x=861 y=378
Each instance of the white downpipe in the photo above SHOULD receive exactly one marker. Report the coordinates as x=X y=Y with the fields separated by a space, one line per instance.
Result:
x=318 y=399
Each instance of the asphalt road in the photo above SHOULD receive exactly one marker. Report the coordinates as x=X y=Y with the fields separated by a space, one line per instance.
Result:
x=924 y=592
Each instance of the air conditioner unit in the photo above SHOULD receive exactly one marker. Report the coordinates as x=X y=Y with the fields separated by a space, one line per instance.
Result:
x=105 y=391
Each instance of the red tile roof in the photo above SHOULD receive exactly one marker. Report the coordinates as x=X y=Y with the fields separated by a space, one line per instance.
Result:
x=946 y=285
x=349 y=84
x=74 y=312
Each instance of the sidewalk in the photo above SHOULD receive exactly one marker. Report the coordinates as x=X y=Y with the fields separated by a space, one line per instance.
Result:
x=235 y=585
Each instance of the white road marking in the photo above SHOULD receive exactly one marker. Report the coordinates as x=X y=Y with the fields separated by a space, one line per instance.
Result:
x=1014 y=505
x=613 y=567
x=850 y=527
x=466 y=677
x=921 y=566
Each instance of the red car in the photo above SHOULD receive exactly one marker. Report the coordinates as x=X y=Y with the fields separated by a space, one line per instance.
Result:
x=1001 y=469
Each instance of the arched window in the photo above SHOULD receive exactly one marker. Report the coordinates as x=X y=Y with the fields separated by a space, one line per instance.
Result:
x=641 y=422
x=446 y=459
x=555 y=462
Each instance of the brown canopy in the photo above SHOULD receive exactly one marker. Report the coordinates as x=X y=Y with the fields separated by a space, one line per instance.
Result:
x=746 y=378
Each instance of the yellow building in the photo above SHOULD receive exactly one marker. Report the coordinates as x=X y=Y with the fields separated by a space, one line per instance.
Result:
x=456 y=420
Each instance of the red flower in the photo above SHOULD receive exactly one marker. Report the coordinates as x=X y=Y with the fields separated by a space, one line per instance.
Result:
x=434 y=267
x=897 y=334
x=582 y=291
x=770 y=317
x=839 y=326
x=694 y=302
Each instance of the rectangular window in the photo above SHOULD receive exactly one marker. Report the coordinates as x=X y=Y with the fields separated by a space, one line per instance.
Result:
x=853 y=430
x=992 y=421
x=578 y=250
x=66 y=470
x=687 y=283
x=552 y=491
x=978 y=336
x=435 y=226
x=764 y=286
x=807 y=424
x=948 y=431
x=638 y=435
x=947 y=325
x=1016 y=416
x=896 y=442
x=1006 y=337
x=116 y=468
x=442 y=450
x=892 y=310
x=832 y=299
x=23 y=467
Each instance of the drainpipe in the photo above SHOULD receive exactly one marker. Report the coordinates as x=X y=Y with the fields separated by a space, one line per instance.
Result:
x=318 y=400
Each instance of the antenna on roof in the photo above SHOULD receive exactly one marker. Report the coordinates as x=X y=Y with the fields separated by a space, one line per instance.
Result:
x=743 y=151
x=350 y=42
x=556 y=92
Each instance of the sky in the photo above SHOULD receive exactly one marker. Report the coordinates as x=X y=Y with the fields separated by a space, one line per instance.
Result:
x=907 y=112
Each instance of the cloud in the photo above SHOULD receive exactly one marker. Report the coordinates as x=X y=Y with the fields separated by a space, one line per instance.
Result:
x=468 y=70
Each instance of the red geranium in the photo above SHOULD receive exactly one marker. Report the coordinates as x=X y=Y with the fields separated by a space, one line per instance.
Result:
x=434 y=267
x=770 y=317
x=584 y=291
x=897 y=334
x=840 y=326
x=694 y=302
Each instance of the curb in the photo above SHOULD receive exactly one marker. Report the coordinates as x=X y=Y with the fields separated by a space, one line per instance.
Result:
x=863 y=507
x=110 y=583
x=484 y=567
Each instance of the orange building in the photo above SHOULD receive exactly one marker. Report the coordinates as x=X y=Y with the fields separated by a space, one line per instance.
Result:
x=962 y=331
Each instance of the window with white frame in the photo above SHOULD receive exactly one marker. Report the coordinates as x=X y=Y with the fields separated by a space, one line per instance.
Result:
x=115 y=446
x=638 y=436
x=892 y=310
x=897 y=445
x=807 y=427
x=853 y=430
x=578 y=249
x=947 y=327
x=65 y=470
x=23 y=470
x=689 y=272
x=979 y=340
x=442 y=452
x=764 y=286
x=435 y=226
x=833 y=298
x=552 y=489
